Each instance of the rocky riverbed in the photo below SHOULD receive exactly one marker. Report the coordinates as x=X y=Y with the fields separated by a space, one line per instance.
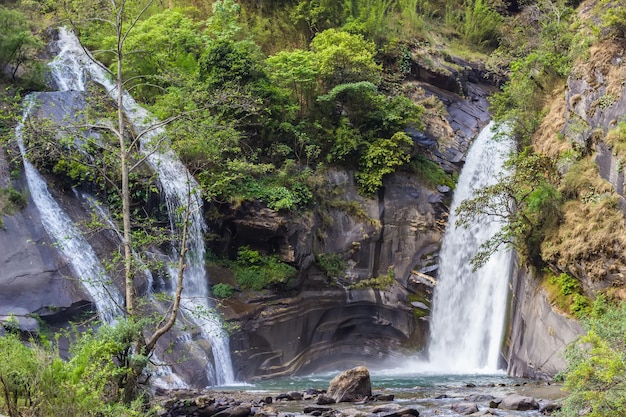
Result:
x=529 y=398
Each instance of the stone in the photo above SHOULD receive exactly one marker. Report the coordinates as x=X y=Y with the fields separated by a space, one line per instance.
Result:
x=324 y=399
x=351 y=385
x=311 y=409
x=549 y=408
x=494 y=403
x=519 y=403
x=400 y=413
x=465 y=408
x=237 y=411
x=479 y=398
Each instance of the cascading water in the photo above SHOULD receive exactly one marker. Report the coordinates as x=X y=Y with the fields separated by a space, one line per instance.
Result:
x=469 y=307
x=68 y=238
x=70 y=70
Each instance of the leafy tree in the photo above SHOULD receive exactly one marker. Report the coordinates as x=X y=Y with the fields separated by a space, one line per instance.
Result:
x=345 y=58
x=526 y=199
x=17 y=43
x=596 y=373
x=123 y=17
x=296 y=70
x=165 y=47
x=319 y=15
x=382 y=158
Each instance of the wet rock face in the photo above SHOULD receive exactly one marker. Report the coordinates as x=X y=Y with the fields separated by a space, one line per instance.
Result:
x=537 y=335
x=323 y=322
x=34 y=280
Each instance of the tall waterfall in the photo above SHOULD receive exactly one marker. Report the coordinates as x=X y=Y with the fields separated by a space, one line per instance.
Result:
x=71 y=70
x=469 y=307
x=67 y=237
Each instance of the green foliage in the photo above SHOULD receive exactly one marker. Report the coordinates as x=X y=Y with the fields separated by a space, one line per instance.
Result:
x=614 y=18
x=382 y=158
x=95 y=381
x=527 y=198
x=481 y=23
x=431 y=172
x=222 y=290
x=162 y=49
x=10 y=201
x=18 y=45
x=297 y=71
x=595 y=377
x=255 y=271
x=566 y=293
x=345 y=58
x=540 y=57
x=332 y=264
x=223 y=24
x=381 y=283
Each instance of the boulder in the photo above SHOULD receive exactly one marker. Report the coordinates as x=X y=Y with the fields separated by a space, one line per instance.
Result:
x=351 y=385
x=465 y=408
x=324 y=399
x=519 y=403
x=479 y=398
x=238 y=411
x=406 y=412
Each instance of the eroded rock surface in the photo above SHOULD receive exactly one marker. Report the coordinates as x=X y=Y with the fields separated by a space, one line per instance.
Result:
x=351 y=385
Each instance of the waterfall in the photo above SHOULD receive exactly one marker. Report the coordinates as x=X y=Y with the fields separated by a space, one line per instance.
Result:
x=67 y=237
x=71 y=70
x=469 y=307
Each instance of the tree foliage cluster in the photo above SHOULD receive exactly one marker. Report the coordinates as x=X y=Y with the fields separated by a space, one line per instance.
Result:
x=596 y=372
x=96 y=380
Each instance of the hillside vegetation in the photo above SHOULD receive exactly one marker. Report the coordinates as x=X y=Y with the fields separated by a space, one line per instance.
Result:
x=264 y=96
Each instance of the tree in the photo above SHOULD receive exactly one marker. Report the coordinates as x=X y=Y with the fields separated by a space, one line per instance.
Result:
x=596 y=372
x=123 y=17
x=345 y=58
x=526 y=200
x=17 y=43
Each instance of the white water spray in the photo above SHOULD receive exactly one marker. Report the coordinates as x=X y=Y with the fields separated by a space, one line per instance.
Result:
x=67 y=237
x=469 y=307
x=70 y=70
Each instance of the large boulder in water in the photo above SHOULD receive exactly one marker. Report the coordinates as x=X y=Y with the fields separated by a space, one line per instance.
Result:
x=351 y=385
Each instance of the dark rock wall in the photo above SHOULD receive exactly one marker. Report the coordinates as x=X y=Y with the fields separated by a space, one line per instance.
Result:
x=536 y=335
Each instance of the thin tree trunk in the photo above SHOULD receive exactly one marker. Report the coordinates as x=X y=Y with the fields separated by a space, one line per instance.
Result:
x=128 y=254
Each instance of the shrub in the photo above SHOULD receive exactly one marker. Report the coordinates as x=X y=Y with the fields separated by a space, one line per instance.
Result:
x=332 y=264
x=382 y=282
x=255 y=271
x=222 y=290
x=596 y=373
x=431 y=172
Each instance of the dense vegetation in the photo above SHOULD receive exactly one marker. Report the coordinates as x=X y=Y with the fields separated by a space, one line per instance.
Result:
x=264 y=96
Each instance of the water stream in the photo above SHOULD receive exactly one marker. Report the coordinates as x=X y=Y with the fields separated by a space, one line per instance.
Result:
x=68 y=239
x=71 y=70
x=469 y=307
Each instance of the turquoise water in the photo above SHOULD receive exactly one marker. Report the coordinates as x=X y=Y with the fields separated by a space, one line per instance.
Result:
x=385 y=381
x=432 y=394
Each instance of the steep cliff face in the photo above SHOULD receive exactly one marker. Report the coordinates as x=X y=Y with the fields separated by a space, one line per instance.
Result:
x=34 y=279
x=326 y=323
x=537 y=334
x=589 y=243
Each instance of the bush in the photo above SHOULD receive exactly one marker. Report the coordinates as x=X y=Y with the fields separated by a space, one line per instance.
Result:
x=222 y=290
x=332 y=264
x=255 y=271
x=97 y=380
x=596 y=373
